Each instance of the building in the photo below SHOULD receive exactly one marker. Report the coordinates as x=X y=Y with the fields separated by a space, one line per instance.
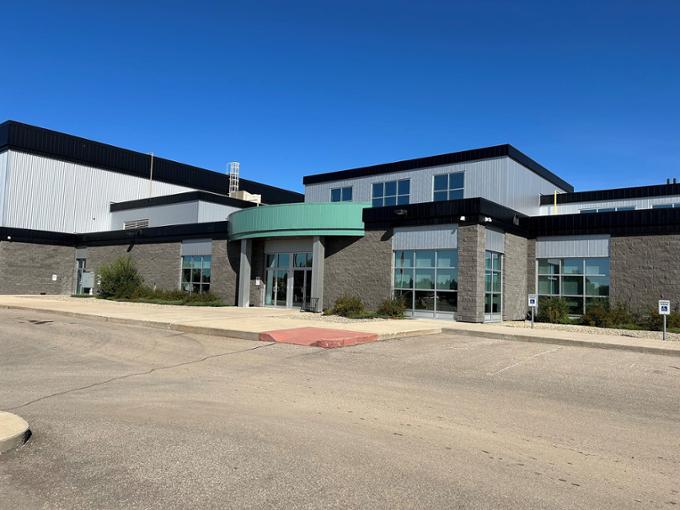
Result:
x=460 y=236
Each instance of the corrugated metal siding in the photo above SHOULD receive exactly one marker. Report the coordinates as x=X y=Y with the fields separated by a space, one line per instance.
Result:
x=495 y=240
x=288 y=245
x=639 y=203
x=196 y=247
x=430 y=237
x=208 y=211
x=572 y=246
x=47 y=194
x=3 y=177
x=501 y=180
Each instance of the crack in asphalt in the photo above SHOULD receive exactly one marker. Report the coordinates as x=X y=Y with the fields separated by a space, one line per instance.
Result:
x=135 y=374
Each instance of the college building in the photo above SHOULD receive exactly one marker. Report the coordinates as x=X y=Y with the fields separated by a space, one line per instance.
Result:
x=461 y=236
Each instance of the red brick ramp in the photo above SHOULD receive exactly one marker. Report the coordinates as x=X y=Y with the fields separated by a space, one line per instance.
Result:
x=318 y=337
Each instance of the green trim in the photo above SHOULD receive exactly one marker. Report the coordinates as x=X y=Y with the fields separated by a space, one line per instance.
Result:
x=300 y=219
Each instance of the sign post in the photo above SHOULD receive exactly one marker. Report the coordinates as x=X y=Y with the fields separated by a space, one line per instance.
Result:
x=664 y=310
x=533 y=303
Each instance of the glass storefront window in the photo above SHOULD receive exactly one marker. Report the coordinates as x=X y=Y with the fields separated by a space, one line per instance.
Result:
x=427 y=280
x=196 y=272
x=582 y=282
x=493 y=271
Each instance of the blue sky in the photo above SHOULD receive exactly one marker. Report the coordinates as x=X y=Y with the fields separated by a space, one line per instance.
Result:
x=589 y=89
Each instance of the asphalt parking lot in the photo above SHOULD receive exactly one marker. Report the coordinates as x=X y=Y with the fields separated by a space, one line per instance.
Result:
x=144 y=418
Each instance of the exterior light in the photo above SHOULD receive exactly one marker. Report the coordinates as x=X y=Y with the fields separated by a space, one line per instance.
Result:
x=462 y=218
x=400 y=212
x=487 y=219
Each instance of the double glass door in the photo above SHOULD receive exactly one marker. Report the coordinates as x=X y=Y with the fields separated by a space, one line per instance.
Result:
x=288 y=279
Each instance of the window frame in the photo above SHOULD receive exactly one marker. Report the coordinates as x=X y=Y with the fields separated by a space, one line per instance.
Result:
x=344 y=190
x=397 y=193
x=203 y=286
x=449 y=190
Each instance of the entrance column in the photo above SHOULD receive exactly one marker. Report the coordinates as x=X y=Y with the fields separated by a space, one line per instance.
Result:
x=471 y=249
x=244 y=273
x=318 y=255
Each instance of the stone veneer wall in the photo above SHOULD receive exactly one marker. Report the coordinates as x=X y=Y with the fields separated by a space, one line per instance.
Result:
x=27 y=268
x=644 y=269
x=358 y=266
x=225 y=264
x=515 y=278
x=471 y=247
x=531 y=266
x=159 y=264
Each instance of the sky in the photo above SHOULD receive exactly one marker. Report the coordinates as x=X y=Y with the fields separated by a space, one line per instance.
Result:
x=591 y=90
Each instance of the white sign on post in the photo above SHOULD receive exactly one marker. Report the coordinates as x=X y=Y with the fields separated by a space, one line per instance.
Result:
x=533 y=300
x=664 y=307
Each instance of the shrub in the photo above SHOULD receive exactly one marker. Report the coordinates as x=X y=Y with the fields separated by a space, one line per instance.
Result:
x=146 y=294
x=120 y=279
x=553 y=310
x=392 y=307
x=348 y=306
x=604 y=316
x=654 y=322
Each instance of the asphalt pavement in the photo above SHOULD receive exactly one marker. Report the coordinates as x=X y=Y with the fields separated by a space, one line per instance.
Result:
x=134 y=417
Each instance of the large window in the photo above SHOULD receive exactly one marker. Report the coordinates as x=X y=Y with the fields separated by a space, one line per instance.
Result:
x=448 y=186
x=391 y=193
x=427 y=281
x=196 y=273
x=341 y=194
x=493 y=284
x=581 y=282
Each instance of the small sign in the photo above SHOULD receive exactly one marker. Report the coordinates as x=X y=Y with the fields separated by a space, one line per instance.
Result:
x=664 y=307
x=258 y=281
x=54 y=277
x=533 y=300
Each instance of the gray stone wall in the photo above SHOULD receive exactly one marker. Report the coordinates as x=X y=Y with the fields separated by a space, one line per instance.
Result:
x=531 y=266
x=28 y=268
x=159 y=264
x=257 y=269
x=645 y=269
x=471 y=247
x=515 y=278
x=225 y=264
x=358 y=266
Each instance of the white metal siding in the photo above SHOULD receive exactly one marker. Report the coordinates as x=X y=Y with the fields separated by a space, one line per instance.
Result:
x=3 y=177
x=572 y=246
x=501 y=180
x=47 y=194
x=208 y=211
x=640 y=203
x=430 y=237
x=158 y=216
x=196 y=247
x=495 y=240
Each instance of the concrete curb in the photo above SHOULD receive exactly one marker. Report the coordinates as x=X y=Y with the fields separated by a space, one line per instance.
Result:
x=14 y=431
x=593 y=344
x=198 y=330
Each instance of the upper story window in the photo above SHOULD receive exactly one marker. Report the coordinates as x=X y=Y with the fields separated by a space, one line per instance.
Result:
x=448 y=186
x=341 y=194
x=391 y=192
x=666 y=206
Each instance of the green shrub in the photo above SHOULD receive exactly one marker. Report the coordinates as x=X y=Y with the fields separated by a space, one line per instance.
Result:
x=120 y=279
x=553 y=310
x=393 y=307
x=654 y=322
x=146 y=294
x=604 y=316
x=348 y=306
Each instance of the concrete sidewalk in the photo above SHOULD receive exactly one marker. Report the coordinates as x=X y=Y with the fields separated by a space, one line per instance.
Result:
x=252 y=323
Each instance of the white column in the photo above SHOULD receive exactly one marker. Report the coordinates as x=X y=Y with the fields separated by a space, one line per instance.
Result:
x=244 y=273
x=318 y=254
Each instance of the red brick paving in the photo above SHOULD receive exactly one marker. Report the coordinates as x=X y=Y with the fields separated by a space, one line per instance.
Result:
x=318 y=337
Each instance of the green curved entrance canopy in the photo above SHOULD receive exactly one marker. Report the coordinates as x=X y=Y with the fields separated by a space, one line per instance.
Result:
x=300 y=219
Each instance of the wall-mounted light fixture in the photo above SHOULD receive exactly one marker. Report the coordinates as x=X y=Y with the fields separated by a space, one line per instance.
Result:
x=487 y=219
x=400 y=212
x=462 y=218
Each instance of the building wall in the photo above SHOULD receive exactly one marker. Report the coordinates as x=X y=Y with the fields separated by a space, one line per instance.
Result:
x=471 y=247
x=515 y=274
x=4 y=156
x=159 y=264
x=46 y=194
x=358 y=266
x=501 y=180
x=531 y=267
x=638 y=203
x=225 y=265
x=645 y=269
x=257 y=269
x=28 y=268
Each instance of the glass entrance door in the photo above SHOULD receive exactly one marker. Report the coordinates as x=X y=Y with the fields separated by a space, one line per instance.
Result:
x=493 y=283
x=276 y=292
x=288 y=279
x=302 y=287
